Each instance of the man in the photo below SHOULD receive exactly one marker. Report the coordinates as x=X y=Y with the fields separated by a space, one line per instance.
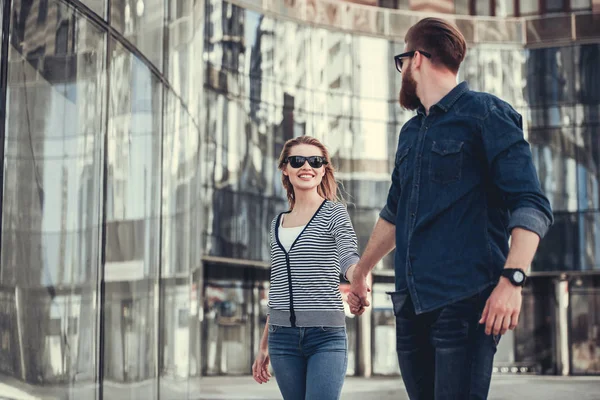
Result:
x=463 y=182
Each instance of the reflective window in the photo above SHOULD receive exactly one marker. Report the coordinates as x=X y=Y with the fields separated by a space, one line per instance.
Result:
x=549 y=76
x=527 y=7
x=385 y=362
x=588 y=165
x=228 y=321
x=505 y=8
x=97 y=6
x=555 y=5
x=589 y=246
x=483 y=7
x=585 y=325
x=142 y=23
x=554 y=155
x=132 y=225
x=559 y=251
x=581 y=4
x=462 y=7
x=52 y=198
x=535 y=336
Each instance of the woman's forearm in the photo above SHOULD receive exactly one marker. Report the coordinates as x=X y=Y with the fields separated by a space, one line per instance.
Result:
x=264 y=340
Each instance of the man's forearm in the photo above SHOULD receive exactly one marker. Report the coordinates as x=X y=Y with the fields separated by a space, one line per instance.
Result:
x=382 y=241
x=523 y=245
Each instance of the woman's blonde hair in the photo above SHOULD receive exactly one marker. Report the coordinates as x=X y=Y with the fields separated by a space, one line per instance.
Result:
x=328 y=188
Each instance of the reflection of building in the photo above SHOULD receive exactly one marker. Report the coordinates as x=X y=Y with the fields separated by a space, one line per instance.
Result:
x=140 y=177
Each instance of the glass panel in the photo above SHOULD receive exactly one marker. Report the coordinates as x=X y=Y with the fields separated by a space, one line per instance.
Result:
x=585 y=325
x=505 y=8
x=142 y=23
x=52 y=200
x=462 y=7
x=97 y=6
x=527 y=7
x=180 y=250
x=385 y=362
x=588 y=167
x=555 y=5
x=535 y=335
x=554 y=155
x=548 y=29
x=587 y=81
x=182 y=210
x=587 y=26
x=581 y=5
x=132 y=238
x=549 y=77
x=559 y=251
x=228 y=324
x=483 y=7
x=589 y=246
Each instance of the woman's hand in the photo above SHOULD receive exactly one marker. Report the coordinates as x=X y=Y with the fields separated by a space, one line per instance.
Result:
x=260 y=368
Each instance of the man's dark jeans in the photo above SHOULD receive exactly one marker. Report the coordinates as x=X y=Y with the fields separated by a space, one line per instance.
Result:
x=445 y=353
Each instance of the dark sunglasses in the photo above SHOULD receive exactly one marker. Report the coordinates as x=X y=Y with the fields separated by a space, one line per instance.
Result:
x=399 y=57
x=313 y=161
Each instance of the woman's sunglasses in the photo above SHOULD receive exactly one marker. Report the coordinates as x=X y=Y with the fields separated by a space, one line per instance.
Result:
x=313 y=161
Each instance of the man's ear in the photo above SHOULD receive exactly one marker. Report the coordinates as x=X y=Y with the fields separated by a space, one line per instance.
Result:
x=418 y=59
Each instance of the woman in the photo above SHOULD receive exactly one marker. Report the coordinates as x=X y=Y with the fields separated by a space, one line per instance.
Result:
x=311 y=244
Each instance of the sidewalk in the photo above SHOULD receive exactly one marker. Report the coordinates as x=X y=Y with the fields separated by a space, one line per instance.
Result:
x=504 y=387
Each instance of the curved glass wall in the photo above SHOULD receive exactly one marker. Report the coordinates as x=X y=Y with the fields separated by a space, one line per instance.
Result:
x=140 y=141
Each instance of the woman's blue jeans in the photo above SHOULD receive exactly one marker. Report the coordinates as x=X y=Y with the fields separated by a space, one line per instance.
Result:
x=309 y=363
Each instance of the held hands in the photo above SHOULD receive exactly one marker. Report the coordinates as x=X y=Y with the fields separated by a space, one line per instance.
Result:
x=357 y=298
x=260 y=368
x=502 y=309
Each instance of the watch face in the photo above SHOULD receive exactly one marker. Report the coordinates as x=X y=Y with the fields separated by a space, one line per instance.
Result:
x=518 y=276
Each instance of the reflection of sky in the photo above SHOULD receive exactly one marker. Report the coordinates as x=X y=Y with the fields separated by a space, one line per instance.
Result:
x=250 y=25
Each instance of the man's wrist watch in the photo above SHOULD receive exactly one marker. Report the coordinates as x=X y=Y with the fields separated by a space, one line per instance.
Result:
x=516 y=276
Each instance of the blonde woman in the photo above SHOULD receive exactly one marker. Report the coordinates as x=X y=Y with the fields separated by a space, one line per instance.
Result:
x=311 y=244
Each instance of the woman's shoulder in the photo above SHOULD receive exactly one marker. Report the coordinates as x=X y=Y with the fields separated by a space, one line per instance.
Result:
x=337 y=207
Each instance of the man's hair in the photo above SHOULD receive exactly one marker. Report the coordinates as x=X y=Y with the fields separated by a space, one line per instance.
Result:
x=440 y=38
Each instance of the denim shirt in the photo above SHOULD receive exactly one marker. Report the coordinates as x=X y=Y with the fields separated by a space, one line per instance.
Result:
x=463 y=179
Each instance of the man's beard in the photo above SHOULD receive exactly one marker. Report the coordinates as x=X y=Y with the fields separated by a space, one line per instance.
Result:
x=408 y=92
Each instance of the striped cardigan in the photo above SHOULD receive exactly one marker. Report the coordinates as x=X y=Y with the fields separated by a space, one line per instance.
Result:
x=305 y=281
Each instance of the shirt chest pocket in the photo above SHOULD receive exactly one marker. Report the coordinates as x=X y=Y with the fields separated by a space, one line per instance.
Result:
x=446 y=161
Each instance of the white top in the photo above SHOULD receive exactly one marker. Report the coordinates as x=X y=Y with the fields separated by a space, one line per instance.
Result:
x=287 y=236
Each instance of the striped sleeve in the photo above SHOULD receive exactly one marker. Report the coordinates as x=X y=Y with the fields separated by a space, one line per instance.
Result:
x=345 y=238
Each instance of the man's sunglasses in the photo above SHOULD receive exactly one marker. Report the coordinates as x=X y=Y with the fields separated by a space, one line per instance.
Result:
x=399 y=57
x=313 y=161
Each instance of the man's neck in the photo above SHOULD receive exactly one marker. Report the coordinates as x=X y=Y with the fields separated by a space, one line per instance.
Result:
x=433 y=90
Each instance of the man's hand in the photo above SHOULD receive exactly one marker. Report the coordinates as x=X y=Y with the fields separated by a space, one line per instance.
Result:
x=502 y=309
x=357 y=298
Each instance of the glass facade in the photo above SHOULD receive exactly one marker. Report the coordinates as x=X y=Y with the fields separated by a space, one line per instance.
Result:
x=139 y=144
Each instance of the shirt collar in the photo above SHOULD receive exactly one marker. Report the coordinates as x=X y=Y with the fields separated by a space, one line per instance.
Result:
x=448 y=100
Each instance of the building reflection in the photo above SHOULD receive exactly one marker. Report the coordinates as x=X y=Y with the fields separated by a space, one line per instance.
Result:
x=140 y=179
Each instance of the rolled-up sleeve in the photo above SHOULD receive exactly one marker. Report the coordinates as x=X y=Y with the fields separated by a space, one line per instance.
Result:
x=513 y=173
x=345 y=238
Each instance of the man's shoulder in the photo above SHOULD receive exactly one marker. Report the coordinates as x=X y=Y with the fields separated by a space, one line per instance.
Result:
x=480 y=105
x=412 y=122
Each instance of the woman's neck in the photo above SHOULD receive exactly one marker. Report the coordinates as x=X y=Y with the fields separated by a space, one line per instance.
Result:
x=307 y=200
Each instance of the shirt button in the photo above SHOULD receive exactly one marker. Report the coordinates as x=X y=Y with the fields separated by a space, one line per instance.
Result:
x=412 y=215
